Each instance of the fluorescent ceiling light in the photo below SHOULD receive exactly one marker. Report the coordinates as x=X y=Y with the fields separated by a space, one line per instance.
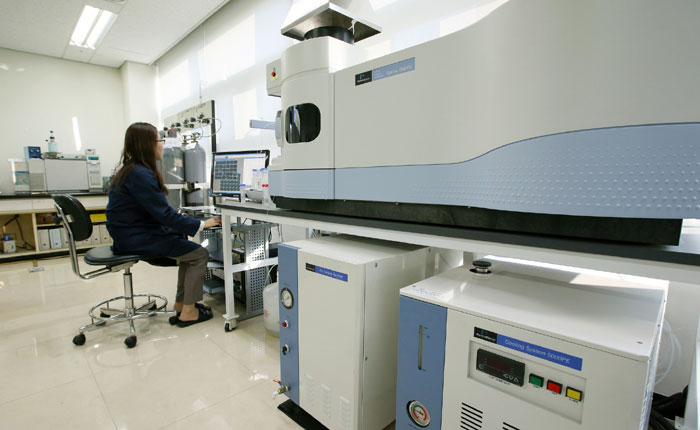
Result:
x=91 y=27
x=103 y=23
x=82 y=28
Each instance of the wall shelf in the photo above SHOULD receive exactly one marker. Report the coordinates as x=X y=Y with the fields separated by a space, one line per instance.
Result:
x=28 y=211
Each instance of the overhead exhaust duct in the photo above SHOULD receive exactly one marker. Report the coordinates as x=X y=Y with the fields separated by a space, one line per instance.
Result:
x=346 y=20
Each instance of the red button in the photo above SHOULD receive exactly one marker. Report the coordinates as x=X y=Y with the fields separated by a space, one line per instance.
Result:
x=554 y=387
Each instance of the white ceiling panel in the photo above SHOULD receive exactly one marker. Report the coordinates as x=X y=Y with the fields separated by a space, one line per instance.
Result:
x=105 y=56
x=143 y=31
x=38 y=26
x=154 y=26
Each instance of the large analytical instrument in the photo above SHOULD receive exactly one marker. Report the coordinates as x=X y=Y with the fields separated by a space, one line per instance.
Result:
x=339 y=303
x=564 y=117
x=75 y=172
x=520 y=347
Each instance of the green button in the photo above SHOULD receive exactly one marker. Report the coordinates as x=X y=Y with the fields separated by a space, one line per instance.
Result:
x=536 y=380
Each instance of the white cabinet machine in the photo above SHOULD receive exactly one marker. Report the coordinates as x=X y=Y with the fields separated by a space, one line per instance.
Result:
x=339 y=325
x=519 y=347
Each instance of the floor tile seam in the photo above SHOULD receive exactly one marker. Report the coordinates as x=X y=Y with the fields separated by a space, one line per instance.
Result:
x=45 y=389
x=212 y=405
x=46 y=342
x=20 y=331
x=239 y=362
x=99 y=371
x=230 y=355
x=102 y=395
x=51 y=387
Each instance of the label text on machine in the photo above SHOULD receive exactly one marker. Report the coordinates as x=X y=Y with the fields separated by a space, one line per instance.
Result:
x=387 y=71
x=327 y=272
x=561 y=358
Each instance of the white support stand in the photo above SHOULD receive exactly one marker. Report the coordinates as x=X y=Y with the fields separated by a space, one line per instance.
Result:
x=692 y=418
x=231 y=316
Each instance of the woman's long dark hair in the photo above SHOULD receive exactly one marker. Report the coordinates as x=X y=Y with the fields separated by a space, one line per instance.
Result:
x=140 y=142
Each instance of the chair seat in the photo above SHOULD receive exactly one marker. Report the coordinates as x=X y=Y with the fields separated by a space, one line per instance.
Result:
x=103 y=256
x=160 y=261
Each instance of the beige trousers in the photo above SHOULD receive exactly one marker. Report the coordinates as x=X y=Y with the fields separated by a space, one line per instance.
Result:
x=190 y=276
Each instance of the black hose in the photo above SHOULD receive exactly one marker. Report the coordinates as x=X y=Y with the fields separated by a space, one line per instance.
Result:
x=659 y=419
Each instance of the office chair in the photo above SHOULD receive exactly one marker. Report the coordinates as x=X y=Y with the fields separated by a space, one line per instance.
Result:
x=78 y=225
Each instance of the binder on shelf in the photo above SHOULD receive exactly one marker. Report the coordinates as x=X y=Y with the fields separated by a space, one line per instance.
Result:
x=104 y=234
x=55 y=238
x=64 y=237
x=98 y=217
x=44 y=242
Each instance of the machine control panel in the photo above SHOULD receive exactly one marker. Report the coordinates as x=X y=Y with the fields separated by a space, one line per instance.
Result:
x=539 y=383
x=501 y=367
x=94 y=172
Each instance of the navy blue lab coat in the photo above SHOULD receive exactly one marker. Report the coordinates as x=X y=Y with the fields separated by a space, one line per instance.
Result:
x=141 y=222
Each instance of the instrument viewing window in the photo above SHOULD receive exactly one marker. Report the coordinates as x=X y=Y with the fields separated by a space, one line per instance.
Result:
x=231 y=169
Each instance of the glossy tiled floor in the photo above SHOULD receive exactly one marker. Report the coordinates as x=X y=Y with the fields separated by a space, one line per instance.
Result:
x=198 y=377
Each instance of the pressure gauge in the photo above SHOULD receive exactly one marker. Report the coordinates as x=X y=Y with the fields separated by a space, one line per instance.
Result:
x=418 y=413
x=287 y=298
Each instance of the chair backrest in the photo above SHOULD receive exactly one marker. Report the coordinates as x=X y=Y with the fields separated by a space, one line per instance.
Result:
x=75 y=217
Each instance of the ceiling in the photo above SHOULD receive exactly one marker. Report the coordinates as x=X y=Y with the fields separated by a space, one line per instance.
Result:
x=143 y=31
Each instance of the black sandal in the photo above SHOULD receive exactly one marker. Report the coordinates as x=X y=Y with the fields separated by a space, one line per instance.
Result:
x=204 y=315
x=174 y=319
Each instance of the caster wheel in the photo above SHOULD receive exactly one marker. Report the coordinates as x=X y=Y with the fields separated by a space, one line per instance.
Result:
x=130 y=341
x=79 y=339
x=229 y=327
x=173 y=320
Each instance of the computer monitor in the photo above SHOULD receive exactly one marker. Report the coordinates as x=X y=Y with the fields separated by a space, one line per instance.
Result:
x=231 y=169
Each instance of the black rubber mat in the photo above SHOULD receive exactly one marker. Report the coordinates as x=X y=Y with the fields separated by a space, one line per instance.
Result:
x=300 y=416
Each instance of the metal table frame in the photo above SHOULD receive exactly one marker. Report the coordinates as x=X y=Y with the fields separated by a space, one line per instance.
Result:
x=253 y=305
x=673 y=263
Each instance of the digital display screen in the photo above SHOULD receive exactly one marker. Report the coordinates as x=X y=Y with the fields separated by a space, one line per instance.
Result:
x=231 y=169
x=503 y=368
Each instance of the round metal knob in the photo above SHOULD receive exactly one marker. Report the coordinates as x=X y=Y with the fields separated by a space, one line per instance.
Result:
x=481 y=267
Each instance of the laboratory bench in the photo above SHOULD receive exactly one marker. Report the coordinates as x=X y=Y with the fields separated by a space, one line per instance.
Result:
x=42 y=195
x=674 y=263
x=31 y=220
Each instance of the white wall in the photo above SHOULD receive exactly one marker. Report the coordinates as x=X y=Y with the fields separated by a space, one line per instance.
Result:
x=139 y=88
x=224 y=60
x=41 y=93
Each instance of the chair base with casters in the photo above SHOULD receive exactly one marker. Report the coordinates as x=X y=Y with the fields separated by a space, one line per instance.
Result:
x=78 y=225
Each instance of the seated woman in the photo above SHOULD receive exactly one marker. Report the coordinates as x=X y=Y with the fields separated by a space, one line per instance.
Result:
x=141 y=221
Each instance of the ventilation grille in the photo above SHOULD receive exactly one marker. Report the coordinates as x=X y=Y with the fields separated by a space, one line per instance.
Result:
x=471 y=418
x=507 y=426
x=256 y=247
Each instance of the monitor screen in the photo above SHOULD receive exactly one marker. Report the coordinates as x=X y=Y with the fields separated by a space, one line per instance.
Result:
x=231 y=169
